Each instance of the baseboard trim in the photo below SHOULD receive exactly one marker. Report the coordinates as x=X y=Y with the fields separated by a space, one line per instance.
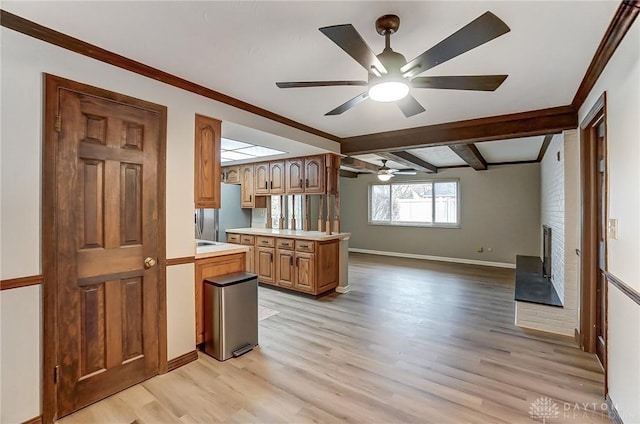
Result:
x=34 y=420
x=433 y=258
x=342 y=289
x=182 y=360
x=576 y=335
x=613 y=412
x=542 y=332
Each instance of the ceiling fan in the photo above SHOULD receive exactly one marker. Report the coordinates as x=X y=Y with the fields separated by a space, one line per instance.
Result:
x=385 y=173
x=391 y=76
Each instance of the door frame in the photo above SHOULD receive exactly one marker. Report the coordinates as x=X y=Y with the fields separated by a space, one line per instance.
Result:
x=52 y=84
x=589 y=241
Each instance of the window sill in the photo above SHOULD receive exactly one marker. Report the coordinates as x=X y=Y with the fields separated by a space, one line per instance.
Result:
x=414 y=224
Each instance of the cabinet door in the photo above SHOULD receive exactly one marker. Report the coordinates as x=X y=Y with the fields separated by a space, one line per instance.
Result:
x=207 y=173
x=261 y=173
x=251 y=258
x=305 y=272
x=231 y=175
x=294 y=176
x=314 y=174
x=285 y=268
x=264 y=264
x=247 y=198
x=276 y=177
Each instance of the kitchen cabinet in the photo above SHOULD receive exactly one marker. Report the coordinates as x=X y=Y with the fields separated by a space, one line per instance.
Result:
x=305 y=272
x=247 y=193
x=231 y=175
x=207 y=173
x=269 y=178
x=294 y=176
x=314 y=174
x=285 y=268
x=213 y=267
x=265 y=267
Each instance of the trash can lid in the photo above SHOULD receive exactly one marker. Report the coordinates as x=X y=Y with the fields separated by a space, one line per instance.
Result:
x=231 y=279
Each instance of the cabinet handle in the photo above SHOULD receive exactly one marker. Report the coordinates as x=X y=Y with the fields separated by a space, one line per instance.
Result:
x=304 y=246
x=250 y=198
x=270 y=257
x=271 y=185
x=266 y=185
x=307 y=182
x=297 y=261
x=264 y=241
x=300 y=182
x=290 y=260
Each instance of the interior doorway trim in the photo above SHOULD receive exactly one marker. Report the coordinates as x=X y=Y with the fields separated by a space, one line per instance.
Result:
x=589 y=223
x=52 y=84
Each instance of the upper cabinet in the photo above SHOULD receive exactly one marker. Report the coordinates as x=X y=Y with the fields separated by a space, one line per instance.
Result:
x=247 y=189
x=294 y=175
x=231 y=175
x=269 y=178
x=314 y=174
x=207 y=162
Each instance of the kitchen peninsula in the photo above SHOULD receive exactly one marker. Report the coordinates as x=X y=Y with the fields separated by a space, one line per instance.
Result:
x=311 y=262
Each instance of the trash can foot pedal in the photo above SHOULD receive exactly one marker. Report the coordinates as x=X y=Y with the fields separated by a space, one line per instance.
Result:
x=244 y=349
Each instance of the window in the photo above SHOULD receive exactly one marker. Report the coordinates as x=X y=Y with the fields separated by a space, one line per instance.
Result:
x=276 y=212
x=429 y=203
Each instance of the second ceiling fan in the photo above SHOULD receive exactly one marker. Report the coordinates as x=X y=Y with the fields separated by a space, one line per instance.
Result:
x=391 y=76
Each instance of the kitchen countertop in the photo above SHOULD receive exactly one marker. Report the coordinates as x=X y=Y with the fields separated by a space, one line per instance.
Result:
x=295 y=234
x=219 y=249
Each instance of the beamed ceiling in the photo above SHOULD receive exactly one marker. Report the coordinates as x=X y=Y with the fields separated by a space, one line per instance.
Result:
x=240 y=49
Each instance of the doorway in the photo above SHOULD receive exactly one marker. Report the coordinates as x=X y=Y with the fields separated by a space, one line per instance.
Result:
x=593 y=308
x=103 y=244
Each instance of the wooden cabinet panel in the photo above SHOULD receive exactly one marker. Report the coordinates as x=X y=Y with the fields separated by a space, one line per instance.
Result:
x=233 y=238
x=285 y=268
x=276 y=177
x=287 y=244
x=314 y=174
x=327 y=257
x=207 y=162
x=305 y=246
x=305 y=272
x=261 y=178
x=231 y=175
x=247 y=197
x=295 y=176
x=251 y=259
x=247 y=240
x=212 y=267
x=265 y=265
x=265 y=241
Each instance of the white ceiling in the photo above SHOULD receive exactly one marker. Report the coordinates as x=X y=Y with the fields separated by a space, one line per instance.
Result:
x=241 y=48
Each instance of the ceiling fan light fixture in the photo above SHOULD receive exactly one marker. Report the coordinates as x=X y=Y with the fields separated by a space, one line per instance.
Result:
x=389 y=90
x=385 y=177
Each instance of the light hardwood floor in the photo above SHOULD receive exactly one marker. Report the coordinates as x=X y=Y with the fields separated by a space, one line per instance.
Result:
x=414 y=341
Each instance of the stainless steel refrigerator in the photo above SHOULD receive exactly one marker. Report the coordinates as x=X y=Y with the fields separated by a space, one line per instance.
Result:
x=211 y=224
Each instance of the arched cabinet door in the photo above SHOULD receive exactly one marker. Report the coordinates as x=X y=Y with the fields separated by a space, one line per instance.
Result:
x=314 y=174
x=207 y=162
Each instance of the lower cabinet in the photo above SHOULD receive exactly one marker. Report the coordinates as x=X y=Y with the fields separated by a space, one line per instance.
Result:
x=213 y=267
x=307 y=266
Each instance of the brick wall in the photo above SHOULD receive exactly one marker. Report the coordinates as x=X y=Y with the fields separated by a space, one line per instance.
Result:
x=559 y=210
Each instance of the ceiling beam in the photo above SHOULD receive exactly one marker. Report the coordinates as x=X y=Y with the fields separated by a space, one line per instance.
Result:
x=545 y=146
x=348 y=174
x=515 y=125
x=622 y=20
x=407 y=159
x=358 y=164
x=470 y=154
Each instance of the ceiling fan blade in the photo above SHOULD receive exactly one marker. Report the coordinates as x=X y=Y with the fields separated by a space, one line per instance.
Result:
x=405 y=172
x=318 y=83
x=461 y=82
x=348 y=105
x=349 y=40
x=484 y=28
x=410 y=106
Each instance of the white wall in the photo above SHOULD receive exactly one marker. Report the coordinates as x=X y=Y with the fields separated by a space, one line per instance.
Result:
x=559 y=209
x=621 y=81
x=23 y=61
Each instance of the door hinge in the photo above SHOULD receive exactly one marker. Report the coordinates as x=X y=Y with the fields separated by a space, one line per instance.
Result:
x=56 y=373
x=601 y=166
x=58 y=123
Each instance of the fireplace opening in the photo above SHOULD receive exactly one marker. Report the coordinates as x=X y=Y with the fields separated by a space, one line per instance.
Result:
x=546 y=251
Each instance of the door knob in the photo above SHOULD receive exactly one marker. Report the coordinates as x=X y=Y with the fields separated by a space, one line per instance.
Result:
x=149 y=262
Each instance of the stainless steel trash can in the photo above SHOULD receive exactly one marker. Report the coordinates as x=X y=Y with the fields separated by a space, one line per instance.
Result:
x=230 y=314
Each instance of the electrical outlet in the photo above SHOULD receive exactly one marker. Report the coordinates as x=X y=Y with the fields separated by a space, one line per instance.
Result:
x=612 y=229
x=480 y=249
x=262 y=212
x=489 y=249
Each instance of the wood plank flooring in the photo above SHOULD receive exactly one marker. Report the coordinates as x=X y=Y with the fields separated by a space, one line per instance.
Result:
x=413 y=342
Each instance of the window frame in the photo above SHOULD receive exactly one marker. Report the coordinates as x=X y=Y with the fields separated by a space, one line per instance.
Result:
x=457 y=224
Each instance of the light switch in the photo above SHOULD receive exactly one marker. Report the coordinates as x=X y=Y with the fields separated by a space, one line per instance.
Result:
x=612 y=229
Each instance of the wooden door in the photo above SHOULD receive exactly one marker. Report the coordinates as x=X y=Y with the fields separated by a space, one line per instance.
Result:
x=207 y=162
x=285 y=268
x=276 y=177
x=314 y=174
x=601 y=283
x=247 y=197
x=251 y=259
x=305 y=272
x=261 y=173
x=265 y=265
x=231 y=175
x=104 y=179
x=294 y=176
